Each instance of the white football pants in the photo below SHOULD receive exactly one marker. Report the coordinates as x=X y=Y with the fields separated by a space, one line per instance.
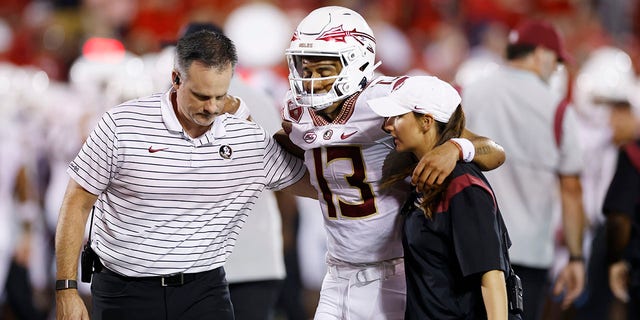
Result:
x=359 y=293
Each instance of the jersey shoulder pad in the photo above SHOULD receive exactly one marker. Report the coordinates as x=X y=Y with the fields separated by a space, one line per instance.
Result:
x=290 y=110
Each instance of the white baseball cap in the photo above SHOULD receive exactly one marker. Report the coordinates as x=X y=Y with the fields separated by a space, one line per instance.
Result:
x=421 y=94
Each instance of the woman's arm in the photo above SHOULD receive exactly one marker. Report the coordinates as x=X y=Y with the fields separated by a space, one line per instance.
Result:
x=494 y=294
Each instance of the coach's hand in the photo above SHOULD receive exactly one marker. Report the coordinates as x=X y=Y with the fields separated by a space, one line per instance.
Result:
x=69 y=305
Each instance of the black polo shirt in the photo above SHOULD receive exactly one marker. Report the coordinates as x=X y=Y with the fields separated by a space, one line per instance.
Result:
x=624 y=196
x=446 y=256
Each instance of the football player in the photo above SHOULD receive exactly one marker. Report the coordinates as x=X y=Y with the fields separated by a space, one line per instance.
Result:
x=327 y=118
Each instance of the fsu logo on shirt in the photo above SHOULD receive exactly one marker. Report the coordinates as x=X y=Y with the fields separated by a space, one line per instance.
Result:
x=225 y=151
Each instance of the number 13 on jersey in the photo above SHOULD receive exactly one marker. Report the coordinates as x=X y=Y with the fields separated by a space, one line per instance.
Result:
x=333 y=163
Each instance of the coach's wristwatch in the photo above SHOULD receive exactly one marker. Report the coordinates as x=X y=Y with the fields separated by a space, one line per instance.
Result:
x=66 y=284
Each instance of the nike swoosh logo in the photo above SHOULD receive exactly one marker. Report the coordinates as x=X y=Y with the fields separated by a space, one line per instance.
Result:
x=346 y=136
x=152 y=150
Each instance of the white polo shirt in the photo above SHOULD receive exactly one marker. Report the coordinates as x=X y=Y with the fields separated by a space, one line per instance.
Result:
x=169 y=203
x=516 y=109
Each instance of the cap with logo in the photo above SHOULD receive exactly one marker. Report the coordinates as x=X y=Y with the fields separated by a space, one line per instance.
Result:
x=421 y=94
x=540 y=33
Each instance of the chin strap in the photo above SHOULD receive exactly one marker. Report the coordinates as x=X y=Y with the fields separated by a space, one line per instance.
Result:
x=364 y=81
x=375 y=66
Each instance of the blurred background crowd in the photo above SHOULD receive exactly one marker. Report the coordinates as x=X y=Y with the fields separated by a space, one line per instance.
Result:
x=64 y=62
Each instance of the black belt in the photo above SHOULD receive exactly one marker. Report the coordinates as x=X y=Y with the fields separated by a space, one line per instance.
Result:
x=172 y=280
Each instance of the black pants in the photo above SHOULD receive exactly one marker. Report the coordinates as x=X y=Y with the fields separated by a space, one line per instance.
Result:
x=534 y=285
x=19 y=293
x=634 y=303
x=255 y=300
x=121 y=298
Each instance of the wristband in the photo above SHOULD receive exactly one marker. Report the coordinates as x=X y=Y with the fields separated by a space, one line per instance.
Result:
x=66 y=284
x=468 y=151
x=573 y=258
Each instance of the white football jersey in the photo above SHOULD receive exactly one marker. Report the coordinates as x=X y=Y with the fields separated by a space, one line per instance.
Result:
x=345 y=160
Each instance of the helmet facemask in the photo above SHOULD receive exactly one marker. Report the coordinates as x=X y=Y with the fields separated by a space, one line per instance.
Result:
x=302 y=86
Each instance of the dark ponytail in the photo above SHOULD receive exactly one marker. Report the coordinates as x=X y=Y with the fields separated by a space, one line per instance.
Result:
x=432 y=196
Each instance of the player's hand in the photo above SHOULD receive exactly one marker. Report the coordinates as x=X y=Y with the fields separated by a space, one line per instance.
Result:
x=435 y=166
x=231 y=104
x=23 y=250
x=570 y=281
x=624 y=125
x=69 y=306
x=282 y=138
x=619 y=280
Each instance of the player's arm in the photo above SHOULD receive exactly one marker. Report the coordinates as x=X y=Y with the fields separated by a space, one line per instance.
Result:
x=488 y=154
x=27 y=211
x=437 y=164
x=494 y=294
x=302 y=188
x=618 y=228
x=288 y=208
x=74 y=212
x=282 y=138
x=619 y=207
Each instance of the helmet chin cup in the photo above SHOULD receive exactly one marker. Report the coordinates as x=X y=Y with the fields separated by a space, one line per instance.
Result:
x=336 y=33
x=320 y=106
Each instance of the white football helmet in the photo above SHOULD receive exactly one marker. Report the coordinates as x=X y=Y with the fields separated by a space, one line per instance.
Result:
x=606 y=75
x=332 y=32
